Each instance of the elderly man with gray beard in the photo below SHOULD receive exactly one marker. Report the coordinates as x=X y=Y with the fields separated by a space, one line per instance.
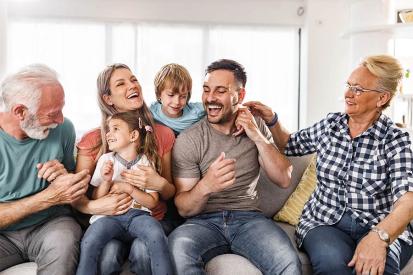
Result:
x=36 y=186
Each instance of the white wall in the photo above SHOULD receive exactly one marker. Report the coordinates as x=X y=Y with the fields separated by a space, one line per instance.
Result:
x=281 y=12
x=327 y=56
x=3 y=37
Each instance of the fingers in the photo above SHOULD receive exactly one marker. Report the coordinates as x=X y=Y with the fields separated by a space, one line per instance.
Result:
x=228 y=183
x=51 y=175
x=373 y=270
x=133 y=176
x=238 y=131
x=225 y=167
x=50 y=170
x=79 y=193
x=257 y=108
x=353 y=261
x=84 y=174
x=251 y=103
x=79 y=188
x=229 y=176
x=123 y=203
x=219 y=158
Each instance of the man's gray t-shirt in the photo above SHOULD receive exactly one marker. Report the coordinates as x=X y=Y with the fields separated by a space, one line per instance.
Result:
x=197 y=147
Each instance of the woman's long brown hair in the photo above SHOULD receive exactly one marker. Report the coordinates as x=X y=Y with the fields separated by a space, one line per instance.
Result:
x=103 y=86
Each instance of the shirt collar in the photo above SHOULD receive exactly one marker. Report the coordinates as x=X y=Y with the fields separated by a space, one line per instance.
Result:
x=124 y=162
x=378 y=130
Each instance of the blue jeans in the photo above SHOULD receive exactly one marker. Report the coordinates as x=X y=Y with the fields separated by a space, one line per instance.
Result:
x=246 y=233
x=116 y=252
x=135 y=224
x=331 y=247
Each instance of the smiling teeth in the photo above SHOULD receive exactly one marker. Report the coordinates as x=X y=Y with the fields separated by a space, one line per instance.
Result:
x=214 y=106
x=132 y=95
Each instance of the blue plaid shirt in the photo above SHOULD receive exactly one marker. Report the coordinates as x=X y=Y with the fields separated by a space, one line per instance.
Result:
x=365 y=175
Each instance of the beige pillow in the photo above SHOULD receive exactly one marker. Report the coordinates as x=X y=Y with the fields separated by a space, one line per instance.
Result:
x=291 y=211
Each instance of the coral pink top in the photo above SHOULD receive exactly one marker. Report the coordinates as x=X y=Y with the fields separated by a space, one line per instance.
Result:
x=89 y=146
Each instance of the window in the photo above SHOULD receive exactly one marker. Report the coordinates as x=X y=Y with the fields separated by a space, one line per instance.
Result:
x=79 y=50
x=403 y=104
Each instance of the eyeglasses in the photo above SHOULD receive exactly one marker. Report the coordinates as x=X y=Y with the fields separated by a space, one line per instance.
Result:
x=359 y=90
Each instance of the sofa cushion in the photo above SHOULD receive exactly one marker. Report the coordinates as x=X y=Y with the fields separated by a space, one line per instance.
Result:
x=28 y=268
x=292 y=209
x=272 y=197
x=231 y=264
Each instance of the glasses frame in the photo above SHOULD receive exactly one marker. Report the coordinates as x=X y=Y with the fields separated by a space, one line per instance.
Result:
x=360 y=90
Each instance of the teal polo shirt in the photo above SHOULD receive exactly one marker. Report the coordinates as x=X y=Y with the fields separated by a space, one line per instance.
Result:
x=18 y=172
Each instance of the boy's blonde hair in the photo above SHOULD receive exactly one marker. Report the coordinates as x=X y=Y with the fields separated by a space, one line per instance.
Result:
x=173 y=75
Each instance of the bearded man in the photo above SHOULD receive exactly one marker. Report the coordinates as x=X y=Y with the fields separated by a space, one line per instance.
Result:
x=36 y=186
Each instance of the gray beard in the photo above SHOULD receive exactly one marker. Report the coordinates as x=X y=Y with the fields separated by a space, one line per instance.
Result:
x=33 y=129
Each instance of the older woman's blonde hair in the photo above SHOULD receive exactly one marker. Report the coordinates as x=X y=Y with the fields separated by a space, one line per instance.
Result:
x=389 y=73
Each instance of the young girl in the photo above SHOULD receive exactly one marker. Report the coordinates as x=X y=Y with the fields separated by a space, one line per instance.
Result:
x=131 y=141
x=173 y=86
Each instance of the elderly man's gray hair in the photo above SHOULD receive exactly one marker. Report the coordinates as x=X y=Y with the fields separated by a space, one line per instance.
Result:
x=24 y=87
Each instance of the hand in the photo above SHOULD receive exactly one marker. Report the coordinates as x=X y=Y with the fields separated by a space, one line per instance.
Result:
x=106 y=172
x=68 y=188
x=261 y=110
x=121 y=187
x=370 y=255
x=220 y=174
x=239 y=130
x=248 y=123
x=145 y=177
x=50 y=170
x=113 y=204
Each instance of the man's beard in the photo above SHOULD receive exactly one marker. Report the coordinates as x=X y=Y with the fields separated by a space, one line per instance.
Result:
x=33 y=129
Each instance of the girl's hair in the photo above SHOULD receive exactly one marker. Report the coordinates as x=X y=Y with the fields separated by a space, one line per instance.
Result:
x=103 y=85
x=389 y=73
x=176 y=76
x=147 y=141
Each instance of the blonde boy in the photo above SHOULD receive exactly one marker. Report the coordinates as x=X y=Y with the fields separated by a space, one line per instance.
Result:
x=173 y=86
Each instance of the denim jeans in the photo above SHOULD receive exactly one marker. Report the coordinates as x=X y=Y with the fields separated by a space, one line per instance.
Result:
x=135 y=224
x=116 y=252
x=246 y=233
x=331 y=247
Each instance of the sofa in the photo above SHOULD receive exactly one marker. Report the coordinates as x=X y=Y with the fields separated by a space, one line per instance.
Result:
x=272 y=198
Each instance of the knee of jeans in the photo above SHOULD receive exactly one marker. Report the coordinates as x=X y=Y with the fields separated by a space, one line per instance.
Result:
x=112 y=254
x=138 y=251
x=329 y=262
x=140 y=262
x=179 y=243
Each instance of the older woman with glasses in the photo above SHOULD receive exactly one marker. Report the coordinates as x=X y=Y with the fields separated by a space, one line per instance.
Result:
x=358 y=218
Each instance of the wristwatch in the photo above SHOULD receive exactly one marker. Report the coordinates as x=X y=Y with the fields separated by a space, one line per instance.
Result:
x=383 y=235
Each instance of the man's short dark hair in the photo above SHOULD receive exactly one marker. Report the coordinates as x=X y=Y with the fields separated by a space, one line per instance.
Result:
x=230 y=65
